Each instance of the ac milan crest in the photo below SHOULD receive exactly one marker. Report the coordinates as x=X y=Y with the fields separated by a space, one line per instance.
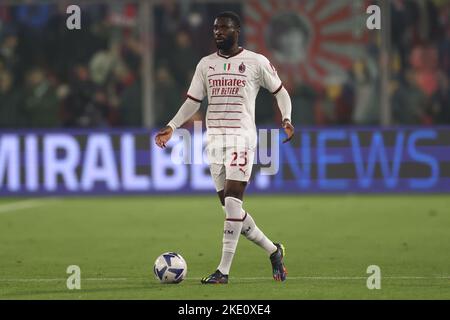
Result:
x=242 y=68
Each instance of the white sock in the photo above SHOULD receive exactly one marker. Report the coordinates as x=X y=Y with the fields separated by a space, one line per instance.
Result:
x=251 y=231
x=232 y=229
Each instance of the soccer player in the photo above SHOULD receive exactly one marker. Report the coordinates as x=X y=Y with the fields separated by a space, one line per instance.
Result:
x=231 y=78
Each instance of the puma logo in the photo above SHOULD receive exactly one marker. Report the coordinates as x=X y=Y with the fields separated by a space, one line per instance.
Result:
x=213 y=68
x=244 y=171
x=246 y=231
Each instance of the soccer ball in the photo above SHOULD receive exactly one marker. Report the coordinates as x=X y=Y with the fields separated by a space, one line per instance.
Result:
x=170 y=267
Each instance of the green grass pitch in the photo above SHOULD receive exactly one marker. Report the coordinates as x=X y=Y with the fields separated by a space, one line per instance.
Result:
x=330 y=242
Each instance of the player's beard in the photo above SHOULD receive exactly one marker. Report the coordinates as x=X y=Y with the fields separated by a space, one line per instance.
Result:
x=226 y=44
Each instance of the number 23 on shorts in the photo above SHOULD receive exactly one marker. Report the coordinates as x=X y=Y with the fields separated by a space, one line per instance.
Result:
x=239 y=159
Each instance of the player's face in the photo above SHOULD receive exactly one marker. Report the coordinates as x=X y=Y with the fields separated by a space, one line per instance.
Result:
x=225 y=33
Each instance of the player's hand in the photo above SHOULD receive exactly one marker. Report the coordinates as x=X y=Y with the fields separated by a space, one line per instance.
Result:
x=288 y=129
x=163 y=136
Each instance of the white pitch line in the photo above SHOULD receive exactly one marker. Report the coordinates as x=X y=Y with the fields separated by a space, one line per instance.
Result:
x=336 y=278
x=63 y=279
x=237 y=278
x=342 y=278
x=24 y=204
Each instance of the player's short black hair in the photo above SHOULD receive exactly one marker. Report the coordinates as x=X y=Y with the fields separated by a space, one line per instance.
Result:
x=233 y=16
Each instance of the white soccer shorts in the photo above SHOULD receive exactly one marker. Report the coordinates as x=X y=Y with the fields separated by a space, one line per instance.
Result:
x=236 y=164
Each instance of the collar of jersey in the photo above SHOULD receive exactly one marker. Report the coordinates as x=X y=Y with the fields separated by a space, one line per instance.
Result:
x=228 y=57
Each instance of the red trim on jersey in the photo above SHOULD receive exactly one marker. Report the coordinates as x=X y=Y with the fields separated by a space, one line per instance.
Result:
x=225 y=111
x=227 y=74
x=224 y=134
x=226 y=96
x=276 y=91
x=195 y=99
x=222 y=56
x=226 y=104
x=224 y=127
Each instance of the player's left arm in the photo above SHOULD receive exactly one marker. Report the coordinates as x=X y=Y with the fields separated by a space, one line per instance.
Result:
x=269 y=79
x=285 y=106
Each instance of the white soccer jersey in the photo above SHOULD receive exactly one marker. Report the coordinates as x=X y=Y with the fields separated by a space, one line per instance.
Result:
x=231 y=85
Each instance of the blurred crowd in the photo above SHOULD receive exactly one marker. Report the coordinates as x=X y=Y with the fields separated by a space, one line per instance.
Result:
x=54 y=77
x=419 y=73
x=51 y=76
x=420 y=65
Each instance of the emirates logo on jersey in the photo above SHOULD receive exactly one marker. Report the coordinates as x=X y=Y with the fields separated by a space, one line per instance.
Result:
x=242 y=68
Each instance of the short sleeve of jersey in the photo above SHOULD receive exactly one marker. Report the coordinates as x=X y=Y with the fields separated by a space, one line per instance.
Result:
x=268 y=76
x=197 y=90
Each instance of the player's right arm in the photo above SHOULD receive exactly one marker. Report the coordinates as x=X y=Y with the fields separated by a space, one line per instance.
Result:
x=196 y=93
x=187 y=110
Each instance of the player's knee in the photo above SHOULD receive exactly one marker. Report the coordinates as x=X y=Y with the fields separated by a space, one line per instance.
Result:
x=233 y=194
x=233 y=208
x=235 y=190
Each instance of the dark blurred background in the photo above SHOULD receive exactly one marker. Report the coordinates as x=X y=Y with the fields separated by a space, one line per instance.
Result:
x=131 y=63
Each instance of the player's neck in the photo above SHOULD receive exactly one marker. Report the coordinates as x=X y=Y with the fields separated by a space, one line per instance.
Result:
x=230 y=52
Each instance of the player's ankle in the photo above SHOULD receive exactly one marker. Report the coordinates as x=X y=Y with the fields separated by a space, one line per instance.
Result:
x=222 y=273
